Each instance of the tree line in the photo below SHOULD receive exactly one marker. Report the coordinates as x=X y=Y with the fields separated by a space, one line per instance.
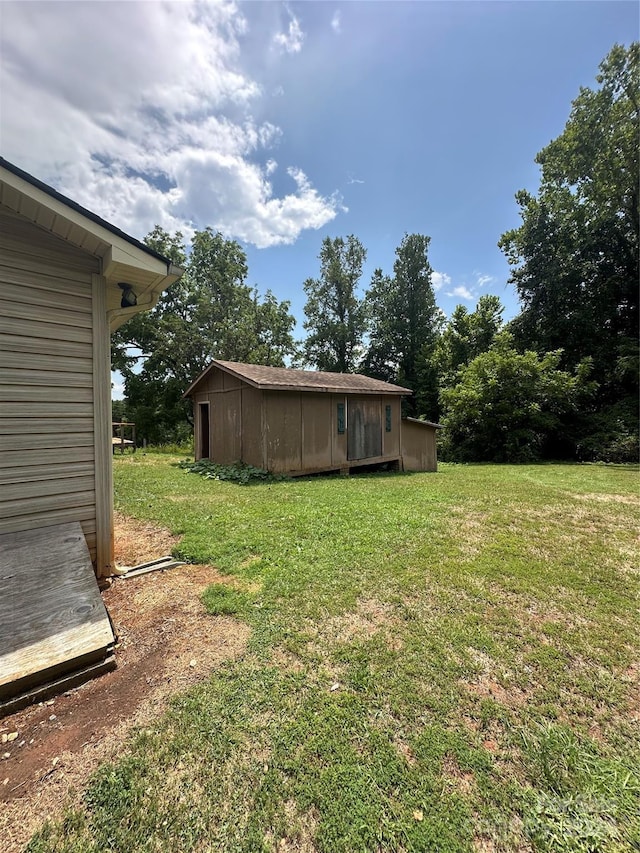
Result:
x=560 y=380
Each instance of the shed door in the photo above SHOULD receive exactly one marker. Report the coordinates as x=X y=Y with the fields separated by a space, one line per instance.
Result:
x=364 y=429
x=205 y=451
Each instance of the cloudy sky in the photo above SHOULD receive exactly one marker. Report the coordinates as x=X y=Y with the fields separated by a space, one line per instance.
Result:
x=282 y=123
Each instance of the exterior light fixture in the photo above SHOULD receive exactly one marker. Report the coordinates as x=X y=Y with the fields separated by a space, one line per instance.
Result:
x=129 y=298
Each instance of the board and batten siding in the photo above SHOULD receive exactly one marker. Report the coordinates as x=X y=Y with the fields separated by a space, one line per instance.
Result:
x=51 y=297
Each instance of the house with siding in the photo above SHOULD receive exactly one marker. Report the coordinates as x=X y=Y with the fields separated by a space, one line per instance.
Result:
x=67 y=280
x=64 y=273
x=299 y=422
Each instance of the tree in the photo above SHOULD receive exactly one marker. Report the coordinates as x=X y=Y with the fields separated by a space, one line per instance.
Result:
x=466 y=336
x=209 y=313
x=336 y=319
x=512 y=407
x=575 y=257
x=405 y=323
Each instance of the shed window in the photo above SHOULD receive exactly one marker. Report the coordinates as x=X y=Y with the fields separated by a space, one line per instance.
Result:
x=341 y=423
x=387 y=418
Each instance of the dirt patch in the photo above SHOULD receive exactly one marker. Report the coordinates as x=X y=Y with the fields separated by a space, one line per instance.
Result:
x=166 y=643
x=138 y=542
x=405 y=751
x=461 y=780
x=488 y=688
x=485 y=685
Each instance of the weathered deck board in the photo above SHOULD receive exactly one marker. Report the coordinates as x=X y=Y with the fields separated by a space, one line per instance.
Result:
x=52 y=618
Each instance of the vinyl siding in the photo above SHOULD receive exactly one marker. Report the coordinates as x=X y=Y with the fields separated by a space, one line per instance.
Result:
x=47 y=437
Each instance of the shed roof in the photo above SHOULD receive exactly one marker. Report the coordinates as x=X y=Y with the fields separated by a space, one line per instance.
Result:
x=288 y=379
x=420 y=422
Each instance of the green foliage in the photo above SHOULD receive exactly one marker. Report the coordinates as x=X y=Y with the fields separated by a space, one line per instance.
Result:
x=404 y=325
x=239 y=472
x=610 y=435
x=466 y=336
x=510 y=406
x=575 y=258
x=209 y=313
x=335 y=315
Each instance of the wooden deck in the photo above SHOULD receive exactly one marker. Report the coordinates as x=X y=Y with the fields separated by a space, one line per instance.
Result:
x=53 y=622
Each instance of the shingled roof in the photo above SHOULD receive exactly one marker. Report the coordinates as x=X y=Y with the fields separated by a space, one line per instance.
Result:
x=287 y=379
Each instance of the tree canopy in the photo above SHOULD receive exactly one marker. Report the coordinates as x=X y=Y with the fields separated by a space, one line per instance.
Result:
x=335 y=314
x=404 y=324
x=575 y=256
x=465 y=336
x=512 y=407
x=209 y=313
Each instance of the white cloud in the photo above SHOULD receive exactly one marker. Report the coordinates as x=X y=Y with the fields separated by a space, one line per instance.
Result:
x=336 y=22
x=292 y=40
x=143 y=133
x=461 y=292
x=439 y=279
x=483 y=280
x=117 y=386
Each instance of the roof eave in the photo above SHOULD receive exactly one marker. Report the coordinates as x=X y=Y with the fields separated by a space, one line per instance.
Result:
x=123 y=258
x=39 y=187
x=424 y=423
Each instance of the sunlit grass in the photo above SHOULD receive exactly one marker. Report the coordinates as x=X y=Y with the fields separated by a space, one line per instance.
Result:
x=438 y=662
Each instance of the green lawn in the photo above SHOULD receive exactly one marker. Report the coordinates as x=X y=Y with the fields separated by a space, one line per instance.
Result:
x=443 y=662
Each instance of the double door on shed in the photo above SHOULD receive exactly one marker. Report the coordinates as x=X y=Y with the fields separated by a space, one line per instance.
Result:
x=364 y=428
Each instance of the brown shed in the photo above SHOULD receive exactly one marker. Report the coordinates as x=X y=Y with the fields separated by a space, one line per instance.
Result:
x=296 y=421
x=419 y=451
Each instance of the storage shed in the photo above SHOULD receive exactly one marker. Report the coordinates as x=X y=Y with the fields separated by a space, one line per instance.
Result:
x=298 y=421
x=419 y=449
x=67 y=279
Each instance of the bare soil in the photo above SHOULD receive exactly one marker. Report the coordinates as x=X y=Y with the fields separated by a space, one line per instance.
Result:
x=166 y=643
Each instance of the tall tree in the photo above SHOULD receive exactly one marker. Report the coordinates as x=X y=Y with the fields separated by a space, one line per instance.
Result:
x=575 y=257
x=209 y=313
x=335 y=314
x=466 y=335
x=405 y=324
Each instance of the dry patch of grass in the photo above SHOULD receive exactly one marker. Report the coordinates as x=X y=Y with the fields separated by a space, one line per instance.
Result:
x=300 y=831
x=461 y=780
x=631 y=500
x=469 y=531
x=369 y=617
x=138 y=542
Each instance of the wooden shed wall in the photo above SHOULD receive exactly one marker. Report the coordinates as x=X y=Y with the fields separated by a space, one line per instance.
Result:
x=284 y=431
x=318 y=431
x=253 y=451
x=418 y=447
x=47 y=436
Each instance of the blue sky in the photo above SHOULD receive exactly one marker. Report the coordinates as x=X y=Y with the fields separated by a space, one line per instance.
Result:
x=280 y=124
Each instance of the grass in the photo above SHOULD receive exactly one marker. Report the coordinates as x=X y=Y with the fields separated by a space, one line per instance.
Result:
x=438 y=662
